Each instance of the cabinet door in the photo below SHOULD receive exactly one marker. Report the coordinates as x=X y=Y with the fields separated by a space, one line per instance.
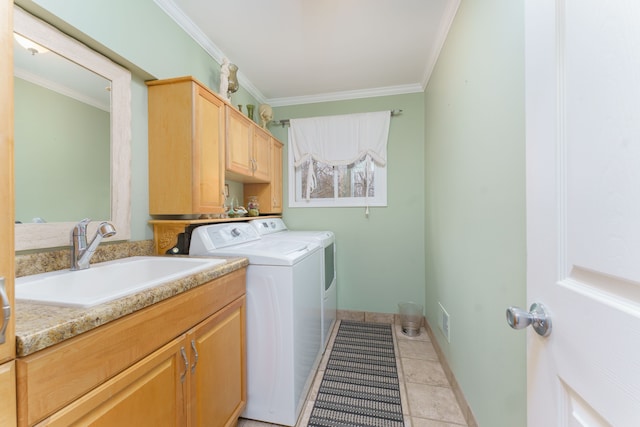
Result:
x=269 y=194
x=276 y=176
x=261 y=155
x=186 y=148
x=218 y=368
x=150 y=393
x=8 y=394
x=238 y=154
x=208 y=150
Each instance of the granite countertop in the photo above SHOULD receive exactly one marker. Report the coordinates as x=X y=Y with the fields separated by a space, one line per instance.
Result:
x=39 y=326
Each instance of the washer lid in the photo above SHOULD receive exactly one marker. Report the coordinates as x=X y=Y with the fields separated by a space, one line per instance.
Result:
x=325 y=237
x=242 y=240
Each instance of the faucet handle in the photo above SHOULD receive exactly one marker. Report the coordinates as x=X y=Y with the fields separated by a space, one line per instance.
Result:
x=81 y=228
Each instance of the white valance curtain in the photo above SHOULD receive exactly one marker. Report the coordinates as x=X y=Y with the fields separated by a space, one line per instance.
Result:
x=339 y=141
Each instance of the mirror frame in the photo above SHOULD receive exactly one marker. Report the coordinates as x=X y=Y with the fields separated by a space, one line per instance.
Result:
x=56 y=234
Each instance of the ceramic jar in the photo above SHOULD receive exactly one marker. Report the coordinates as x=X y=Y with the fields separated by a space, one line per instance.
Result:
x=253 y=207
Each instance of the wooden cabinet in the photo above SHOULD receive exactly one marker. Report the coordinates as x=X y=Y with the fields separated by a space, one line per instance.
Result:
x=269 y=195
x=276 y=176
x=186 y=148
x=217 y=395
x=196 y=140
x=7 y=256
x=261 y=154
x=8 y=394
x=195 y=380
x=150 y=393
x=162 y=365
x=248 y=149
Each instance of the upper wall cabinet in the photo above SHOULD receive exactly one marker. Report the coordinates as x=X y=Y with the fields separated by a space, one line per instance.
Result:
x=248 y=149
x=186 y=148
x=269 y=195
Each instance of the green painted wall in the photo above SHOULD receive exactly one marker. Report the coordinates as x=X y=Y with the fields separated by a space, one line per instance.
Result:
x=475 y=222
x=380 y=259
x=61 y=156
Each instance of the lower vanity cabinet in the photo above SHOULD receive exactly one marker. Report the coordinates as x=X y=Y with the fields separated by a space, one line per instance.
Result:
x=218 y=360
x=8 y=394
x=150 y=393
x=195 y=380
x=179 y=362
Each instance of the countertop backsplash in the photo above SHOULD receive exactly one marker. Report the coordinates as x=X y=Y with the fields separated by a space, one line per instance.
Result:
x=59 y=259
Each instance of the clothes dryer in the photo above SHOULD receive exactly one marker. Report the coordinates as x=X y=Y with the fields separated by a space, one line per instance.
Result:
x=275 y=228
x=283 y=315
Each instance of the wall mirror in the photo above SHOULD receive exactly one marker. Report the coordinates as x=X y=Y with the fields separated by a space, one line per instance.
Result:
x=74 y=160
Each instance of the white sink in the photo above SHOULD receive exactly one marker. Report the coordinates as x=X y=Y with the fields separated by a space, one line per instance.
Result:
x=107 y=281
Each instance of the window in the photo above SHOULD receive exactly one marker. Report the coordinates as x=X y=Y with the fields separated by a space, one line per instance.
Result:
x=343 y=186
x=339 y=160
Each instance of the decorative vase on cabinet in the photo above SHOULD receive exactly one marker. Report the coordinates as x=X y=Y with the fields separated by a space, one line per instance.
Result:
x=250 y=108
x=253 y=206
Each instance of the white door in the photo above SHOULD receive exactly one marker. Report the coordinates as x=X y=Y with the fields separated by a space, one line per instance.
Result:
x=583 y=210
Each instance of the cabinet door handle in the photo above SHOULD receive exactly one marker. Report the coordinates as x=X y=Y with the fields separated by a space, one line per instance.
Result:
x=186 y=364
x=195 y=353
x=6 y=311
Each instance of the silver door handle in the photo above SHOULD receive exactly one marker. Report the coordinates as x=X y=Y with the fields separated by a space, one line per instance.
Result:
x=183 y=375
x=195 y=353
x=6 y=311
x=537 y=316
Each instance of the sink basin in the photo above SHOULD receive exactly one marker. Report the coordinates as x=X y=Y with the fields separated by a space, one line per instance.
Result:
x=107 y=281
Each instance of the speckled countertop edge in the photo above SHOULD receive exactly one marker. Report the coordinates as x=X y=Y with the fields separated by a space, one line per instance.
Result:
x=39 y=326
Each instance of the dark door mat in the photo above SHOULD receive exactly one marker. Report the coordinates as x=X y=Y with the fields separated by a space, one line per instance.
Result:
x=360 y=384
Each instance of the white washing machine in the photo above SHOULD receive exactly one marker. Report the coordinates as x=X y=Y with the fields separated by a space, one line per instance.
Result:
x=283 y=315
x=276 y=228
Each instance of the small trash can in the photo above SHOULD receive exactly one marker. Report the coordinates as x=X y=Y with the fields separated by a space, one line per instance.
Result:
x=410 y=318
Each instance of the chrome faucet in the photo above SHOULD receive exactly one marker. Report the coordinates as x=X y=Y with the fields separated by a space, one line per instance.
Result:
x=80 y=253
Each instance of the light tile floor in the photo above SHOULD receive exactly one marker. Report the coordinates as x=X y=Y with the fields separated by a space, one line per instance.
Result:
x=427 y=398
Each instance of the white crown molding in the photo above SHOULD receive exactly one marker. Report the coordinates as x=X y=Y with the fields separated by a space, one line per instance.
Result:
x=346 y=95
x=61 y=89
x=175 y=13
x=183 y=21
x=446 y=21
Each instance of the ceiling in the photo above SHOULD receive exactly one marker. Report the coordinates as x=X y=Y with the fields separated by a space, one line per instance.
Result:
x=300 y=51
x=52 y=71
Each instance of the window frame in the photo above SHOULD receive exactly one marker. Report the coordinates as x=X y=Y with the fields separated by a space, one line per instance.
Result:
x=298 y=200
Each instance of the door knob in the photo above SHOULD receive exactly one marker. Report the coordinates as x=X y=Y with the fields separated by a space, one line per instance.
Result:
x=537 y=316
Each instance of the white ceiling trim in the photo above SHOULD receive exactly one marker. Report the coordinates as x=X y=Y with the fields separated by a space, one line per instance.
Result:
x=449 y=16
x=175 y=13
x=199 y=37
x=54 y=86
x=346 y=95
